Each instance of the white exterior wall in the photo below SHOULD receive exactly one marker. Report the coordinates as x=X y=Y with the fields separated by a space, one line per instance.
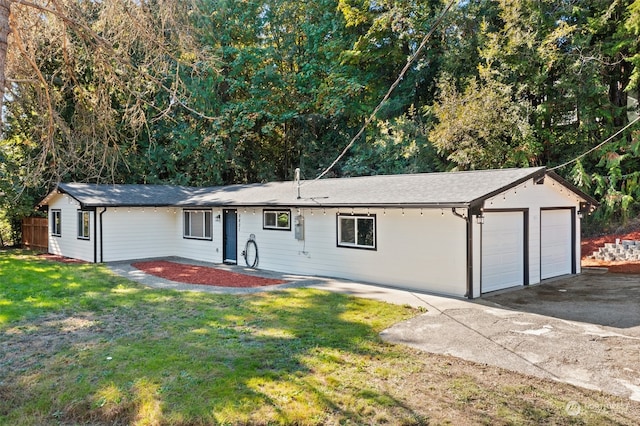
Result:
x=131 y=233
x=425 y=252
x=533 y=197
x=202 y=250
x=139 y=233
x=68 y=244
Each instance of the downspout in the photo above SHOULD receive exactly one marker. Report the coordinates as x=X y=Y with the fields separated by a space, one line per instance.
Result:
x=95 y=236
x=467 y=219
x=101 y=236
x=575 y=229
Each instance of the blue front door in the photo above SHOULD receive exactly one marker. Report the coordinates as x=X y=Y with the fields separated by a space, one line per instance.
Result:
x=230 y=236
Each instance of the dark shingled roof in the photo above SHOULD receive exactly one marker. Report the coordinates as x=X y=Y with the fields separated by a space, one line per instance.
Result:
x=450 y=189
x=93 y=195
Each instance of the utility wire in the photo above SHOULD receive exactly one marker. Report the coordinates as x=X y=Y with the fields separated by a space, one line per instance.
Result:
x=445 y=313
x=391 y=89
x=609 y=139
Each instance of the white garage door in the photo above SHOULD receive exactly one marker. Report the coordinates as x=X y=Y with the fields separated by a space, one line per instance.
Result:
x=555 y=243
x=502 y=250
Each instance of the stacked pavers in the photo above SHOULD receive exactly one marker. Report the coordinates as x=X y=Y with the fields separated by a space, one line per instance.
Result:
x=620 y=250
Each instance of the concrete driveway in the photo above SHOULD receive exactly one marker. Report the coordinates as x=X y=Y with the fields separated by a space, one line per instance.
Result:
x=583 y=330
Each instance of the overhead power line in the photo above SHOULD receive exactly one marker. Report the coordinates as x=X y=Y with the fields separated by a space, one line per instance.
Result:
x=604 y=142
x=395 y=84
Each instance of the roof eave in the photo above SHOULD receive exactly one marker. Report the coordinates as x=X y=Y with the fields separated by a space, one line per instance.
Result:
x=586 y=197
x=57 y=190
x=478 y=202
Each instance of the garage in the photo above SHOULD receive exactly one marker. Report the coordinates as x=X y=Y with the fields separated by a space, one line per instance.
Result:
x=503 y=250
x=556 y=243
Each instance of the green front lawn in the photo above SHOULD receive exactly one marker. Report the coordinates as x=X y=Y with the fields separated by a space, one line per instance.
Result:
x=79 y=345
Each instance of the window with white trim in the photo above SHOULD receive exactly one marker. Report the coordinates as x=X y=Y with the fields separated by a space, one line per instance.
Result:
x=197 y=224
x=56 y=223
x=84 y=224
x=277 y=219
x=356 y=231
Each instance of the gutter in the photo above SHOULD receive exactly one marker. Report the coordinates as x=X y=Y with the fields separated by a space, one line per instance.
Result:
x=302 y=204
x=469 y=226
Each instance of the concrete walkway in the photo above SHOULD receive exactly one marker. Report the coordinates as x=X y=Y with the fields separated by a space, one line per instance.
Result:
x=519 y=330
x=384 y=294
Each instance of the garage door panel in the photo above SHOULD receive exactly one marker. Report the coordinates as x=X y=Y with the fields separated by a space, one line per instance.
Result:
x=556 y=253
x=502 y=250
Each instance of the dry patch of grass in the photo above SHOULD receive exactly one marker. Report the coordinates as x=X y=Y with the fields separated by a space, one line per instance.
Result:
x=81 y=346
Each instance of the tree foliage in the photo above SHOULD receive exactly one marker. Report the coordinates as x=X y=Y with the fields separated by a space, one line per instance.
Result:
x=85 y=77
x=481 y=128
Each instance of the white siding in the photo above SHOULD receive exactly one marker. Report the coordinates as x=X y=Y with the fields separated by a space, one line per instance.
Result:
x=202 y=250
x=476 y=258
x=68 y=244
x=421 y=251
x=137 y=233
x=130 y=233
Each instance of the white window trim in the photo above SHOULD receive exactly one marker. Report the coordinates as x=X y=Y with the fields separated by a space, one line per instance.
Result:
x=277 y=213
x=355 y=218
x=56 y=232
x=81 y=214
x=190 y=236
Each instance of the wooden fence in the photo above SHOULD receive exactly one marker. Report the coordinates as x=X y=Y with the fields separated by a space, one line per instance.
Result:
x=35 y=233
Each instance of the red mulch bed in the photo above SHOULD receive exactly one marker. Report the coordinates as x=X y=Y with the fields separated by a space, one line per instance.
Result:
x=61 y=259
x=589 y=245
x=203 y=275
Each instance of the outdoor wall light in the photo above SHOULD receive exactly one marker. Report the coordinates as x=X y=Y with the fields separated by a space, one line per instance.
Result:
x=480 y=219
x=218 y=217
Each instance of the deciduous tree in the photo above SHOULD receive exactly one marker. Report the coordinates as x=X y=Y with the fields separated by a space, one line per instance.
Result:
x=84 y=79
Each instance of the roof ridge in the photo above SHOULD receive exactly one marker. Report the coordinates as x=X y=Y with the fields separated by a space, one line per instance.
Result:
x=457 y=172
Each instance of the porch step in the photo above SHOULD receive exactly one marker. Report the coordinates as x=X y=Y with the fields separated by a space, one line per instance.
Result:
x=624 y=250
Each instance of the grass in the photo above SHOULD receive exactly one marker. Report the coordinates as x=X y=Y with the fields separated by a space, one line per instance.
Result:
x=79 y=345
